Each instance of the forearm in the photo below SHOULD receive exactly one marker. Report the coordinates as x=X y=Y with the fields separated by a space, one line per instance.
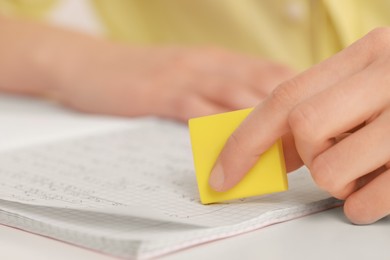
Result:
x=36 y=59
x=98 y=76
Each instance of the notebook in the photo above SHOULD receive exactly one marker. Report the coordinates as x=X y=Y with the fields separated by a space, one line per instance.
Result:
x=131 y=192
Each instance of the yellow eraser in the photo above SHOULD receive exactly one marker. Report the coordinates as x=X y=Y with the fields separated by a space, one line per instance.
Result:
x=208 y=136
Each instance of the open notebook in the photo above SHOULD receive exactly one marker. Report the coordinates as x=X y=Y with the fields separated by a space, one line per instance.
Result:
x=132 y=193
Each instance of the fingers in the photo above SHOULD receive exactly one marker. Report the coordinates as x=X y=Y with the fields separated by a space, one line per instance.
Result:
x=231 y=95
x=269 y=120
x=371 y=202
x=188 y=106
x=362 y=152
x=269 y=78
x=342 y=107
x=240 y=82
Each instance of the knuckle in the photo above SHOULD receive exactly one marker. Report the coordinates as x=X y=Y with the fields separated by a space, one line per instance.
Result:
x=302 y=121
x=286 y=94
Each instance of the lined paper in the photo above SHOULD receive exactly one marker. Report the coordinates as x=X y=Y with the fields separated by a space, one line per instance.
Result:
x=131 y=192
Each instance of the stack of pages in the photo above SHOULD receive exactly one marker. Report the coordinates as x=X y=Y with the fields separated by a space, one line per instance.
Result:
x=132 y=193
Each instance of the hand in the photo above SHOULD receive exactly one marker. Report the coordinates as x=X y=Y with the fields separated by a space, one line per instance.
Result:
x=99 y=76
x=170 y=82
x=335 y=119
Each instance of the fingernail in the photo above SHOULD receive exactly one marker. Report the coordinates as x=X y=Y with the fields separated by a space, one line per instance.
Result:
x=217 y=177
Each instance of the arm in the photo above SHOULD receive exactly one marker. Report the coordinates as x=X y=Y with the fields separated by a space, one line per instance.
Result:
x=34 y=57
x=99 y=76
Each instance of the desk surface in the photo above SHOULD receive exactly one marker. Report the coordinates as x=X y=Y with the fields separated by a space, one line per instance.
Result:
x=325 y=235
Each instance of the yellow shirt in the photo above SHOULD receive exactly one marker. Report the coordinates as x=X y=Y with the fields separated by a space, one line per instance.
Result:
x=295 y=32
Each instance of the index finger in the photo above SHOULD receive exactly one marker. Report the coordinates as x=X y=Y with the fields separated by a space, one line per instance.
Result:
x=269 y=120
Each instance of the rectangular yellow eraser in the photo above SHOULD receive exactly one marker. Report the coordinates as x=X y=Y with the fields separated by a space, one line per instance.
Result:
x=208 y=136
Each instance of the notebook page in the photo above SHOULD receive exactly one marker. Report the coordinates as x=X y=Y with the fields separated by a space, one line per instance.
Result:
x=138 y=182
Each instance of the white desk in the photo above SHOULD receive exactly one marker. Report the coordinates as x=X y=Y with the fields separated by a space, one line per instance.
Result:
x=326 y=235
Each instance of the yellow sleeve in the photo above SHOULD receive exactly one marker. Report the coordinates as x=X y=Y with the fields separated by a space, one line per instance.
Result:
x=259 y=28
x=299 y=33
x=35 y=9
